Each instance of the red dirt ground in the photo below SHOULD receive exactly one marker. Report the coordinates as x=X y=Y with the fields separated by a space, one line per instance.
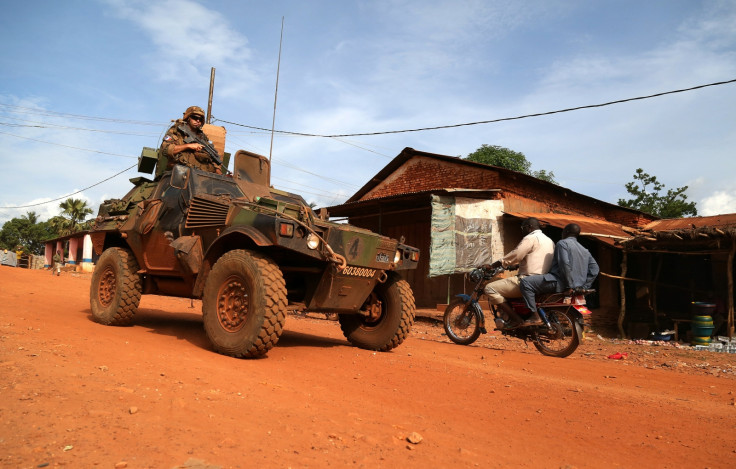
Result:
x=78 y=394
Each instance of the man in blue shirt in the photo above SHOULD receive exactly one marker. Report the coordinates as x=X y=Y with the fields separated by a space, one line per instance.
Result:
x=572 y=267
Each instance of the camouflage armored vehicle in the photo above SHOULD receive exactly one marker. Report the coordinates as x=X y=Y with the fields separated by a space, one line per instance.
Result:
x=250 y=253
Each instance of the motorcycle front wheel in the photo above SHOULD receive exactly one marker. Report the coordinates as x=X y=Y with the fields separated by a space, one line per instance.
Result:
x=461 y=322
x=564 y=336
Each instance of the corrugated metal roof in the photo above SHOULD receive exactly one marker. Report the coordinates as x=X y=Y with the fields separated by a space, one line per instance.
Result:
x=604 y=231
x=725 y=220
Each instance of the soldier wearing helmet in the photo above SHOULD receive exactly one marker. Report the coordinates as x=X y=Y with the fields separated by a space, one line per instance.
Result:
x=188 y=154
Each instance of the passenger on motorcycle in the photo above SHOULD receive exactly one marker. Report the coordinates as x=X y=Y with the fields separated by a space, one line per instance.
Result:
x=533 y=254
x=573 y=267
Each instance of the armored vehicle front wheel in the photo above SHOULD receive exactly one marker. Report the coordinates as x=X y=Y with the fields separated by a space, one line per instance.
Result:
x=115 y=291
x=393 y=301
x=244 y=304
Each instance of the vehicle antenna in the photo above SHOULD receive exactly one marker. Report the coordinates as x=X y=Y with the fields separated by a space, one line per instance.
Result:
x=212 y=89
x=276 y=94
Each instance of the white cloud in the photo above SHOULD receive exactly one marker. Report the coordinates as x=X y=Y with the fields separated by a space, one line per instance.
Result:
x=718 y=203
x=189 y=38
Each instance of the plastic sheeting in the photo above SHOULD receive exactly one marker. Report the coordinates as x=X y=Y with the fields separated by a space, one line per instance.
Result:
x=462 y=234
x=8 y=258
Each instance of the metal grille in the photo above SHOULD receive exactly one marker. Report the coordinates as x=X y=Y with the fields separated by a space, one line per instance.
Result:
x=206 y=212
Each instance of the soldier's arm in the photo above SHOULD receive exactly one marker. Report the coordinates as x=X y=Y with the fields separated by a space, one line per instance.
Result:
x=173 y=144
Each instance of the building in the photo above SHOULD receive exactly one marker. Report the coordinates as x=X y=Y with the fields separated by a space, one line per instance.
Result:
x=462 y=214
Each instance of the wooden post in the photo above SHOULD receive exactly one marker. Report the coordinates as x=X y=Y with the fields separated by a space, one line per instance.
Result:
x=730 y=288
x=653 y=291
x=622 y=313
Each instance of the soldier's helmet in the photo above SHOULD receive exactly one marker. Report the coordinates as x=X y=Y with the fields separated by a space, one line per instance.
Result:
x=193 y=111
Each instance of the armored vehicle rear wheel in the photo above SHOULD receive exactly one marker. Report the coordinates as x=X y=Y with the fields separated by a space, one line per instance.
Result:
x=244 y=304
x=115 y=291
x=393 y=305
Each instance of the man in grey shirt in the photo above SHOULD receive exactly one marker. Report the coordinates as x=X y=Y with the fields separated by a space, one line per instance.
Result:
x=533 y=254
x=573 y=267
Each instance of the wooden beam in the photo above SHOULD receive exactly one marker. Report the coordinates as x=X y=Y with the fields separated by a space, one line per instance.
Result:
x=622 y=313
x=730 y=288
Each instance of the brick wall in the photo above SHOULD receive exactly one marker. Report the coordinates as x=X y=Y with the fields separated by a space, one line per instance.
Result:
x=521 y=193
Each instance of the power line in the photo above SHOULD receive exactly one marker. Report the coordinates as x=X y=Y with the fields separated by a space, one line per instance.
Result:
x=46 y=125
x=68 y=146
x=44 y=112
x=74 y=193
x=491 y=121
x=297 y=168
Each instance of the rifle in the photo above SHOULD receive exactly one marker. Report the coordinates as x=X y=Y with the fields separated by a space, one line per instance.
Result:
x=206 y=146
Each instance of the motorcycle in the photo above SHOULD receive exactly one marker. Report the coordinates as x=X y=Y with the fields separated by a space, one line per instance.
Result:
x=562 y=317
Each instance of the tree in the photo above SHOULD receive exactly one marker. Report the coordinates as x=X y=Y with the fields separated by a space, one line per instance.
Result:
x=646 y=189
x=27 y=232
x=76 y=210
x=505 y=158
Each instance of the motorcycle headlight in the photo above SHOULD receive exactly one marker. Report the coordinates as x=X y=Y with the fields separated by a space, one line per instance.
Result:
x=476 y=275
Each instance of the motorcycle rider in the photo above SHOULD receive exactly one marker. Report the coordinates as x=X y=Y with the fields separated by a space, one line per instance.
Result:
x=573 y=267
x=533 y=254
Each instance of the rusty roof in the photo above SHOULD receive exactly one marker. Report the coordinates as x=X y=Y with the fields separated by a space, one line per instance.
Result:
x=692 y=234
x=605 y=231
x=719 y=221
x=408 y=153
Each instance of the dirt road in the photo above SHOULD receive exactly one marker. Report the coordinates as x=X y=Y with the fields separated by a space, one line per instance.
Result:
x=78 y=394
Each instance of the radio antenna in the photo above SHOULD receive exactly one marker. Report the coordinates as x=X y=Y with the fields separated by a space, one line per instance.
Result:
x=212 y=89
x=276 y=94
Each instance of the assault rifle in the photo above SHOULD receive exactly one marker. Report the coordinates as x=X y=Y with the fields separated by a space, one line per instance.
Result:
x=206 y=146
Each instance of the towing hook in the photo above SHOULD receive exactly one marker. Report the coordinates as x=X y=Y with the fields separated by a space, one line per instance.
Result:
x=382 y=277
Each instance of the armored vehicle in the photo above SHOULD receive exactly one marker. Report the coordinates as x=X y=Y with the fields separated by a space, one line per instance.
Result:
x=250 y=253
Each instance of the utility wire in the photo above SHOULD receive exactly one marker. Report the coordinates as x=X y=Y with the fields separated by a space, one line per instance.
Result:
x=44 y=112
x=68 y=146
x=590 y=106
x=74 y=193
x=46 y=125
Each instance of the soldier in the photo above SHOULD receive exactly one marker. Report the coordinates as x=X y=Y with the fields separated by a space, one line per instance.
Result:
x=177 y=151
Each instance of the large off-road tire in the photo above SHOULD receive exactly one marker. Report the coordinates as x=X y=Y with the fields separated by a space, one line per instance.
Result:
x=394 y=323
x=244 y=304
x=564 y=337
x=115 y=291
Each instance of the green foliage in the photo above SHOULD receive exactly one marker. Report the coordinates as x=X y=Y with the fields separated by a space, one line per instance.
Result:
x=31 y=234
x=503 y=157
x=544 y=175
x=646 y=189
x=76 y=210
x=26 y=232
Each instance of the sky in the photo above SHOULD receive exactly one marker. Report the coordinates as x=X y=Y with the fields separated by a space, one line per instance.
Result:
x=85 y=84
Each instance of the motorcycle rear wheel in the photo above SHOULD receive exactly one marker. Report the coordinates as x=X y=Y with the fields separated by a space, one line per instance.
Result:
x=462 y=324
x=564 y=337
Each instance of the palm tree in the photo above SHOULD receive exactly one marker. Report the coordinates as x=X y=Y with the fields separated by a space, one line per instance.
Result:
x=60 y=225
x=76 y=210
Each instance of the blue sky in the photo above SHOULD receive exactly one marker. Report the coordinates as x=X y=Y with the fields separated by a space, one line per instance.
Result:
x=85 y=84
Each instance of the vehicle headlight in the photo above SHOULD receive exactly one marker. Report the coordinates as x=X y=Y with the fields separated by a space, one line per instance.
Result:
x=312 y=241
x=397 y=257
